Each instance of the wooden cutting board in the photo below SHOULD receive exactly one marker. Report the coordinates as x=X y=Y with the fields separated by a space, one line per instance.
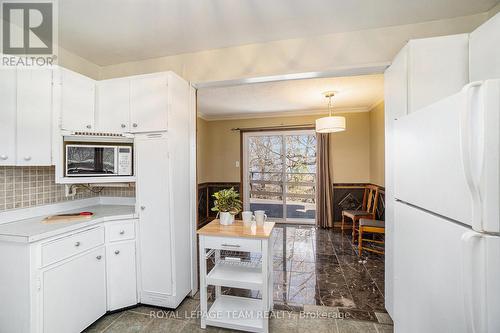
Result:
x=63 y=218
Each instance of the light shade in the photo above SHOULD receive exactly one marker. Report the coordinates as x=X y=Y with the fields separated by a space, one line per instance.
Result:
x=330 y=124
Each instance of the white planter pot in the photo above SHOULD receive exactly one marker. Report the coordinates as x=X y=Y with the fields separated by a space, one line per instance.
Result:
x=226 y=218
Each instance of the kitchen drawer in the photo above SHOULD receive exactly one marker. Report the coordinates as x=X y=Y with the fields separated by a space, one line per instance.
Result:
x=73 y=244
x=120 y=230
x=233 y=244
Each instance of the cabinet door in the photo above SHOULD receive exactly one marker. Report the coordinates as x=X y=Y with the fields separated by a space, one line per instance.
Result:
x=77 y=101
x=34 y=116
x=121 y=275
x=149 y=103
x=113 y=106
x=7 y=116
x=74 y=293
x=153 y=196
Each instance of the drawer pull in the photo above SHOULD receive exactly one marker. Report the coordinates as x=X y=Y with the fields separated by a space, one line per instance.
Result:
x=117 y=252
x=122 y=232
x=99 y=257
x=231 y=245
x=77 y=244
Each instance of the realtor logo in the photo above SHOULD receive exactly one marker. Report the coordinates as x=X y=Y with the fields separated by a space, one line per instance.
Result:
x=29 y=33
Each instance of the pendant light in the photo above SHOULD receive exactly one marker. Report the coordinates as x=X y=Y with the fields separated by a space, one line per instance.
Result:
x=331 y=123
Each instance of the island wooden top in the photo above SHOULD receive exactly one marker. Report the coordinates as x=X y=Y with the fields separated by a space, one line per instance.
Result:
x=237 y=229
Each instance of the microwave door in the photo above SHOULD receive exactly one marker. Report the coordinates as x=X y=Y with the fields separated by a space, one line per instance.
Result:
x=89 y=161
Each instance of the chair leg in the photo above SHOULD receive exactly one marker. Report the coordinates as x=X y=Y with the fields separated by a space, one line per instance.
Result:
x=353 y=230
x=342 y=224
x=360 y=241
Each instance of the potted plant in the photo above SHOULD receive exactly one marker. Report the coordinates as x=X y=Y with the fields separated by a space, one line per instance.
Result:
x=227 y=204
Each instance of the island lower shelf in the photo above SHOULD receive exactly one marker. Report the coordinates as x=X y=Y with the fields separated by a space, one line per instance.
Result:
x=238 y=313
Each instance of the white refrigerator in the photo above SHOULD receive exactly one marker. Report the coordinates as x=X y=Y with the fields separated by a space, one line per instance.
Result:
x=447 y=215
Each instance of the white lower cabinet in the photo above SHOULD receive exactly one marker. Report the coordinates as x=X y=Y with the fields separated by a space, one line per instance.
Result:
x=74 y=293
x=121 y=274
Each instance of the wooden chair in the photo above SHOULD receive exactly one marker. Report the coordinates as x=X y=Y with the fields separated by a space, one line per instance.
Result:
x=368 y=211
x=373 y=227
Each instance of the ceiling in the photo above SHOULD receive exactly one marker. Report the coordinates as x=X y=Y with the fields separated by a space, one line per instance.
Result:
x=293 y=97
x=114 y=31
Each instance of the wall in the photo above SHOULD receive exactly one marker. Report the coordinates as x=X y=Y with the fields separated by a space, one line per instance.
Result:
x=350 y=150
x=23 y=187
x=377 y=174
x=315 y=53
x=202 y=148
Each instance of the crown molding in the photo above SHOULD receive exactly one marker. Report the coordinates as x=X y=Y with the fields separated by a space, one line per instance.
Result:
x=253 y=115
x=376 y=103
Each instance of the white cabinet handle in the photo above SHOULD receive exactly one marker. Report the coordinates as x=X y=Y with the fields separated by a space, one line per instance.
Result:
x=3 y=157
x=230 y=245
x=134 y=125
x=122 y=232
x=27 y=158
x=89 y=126
x=77 y=244
x=123 y=126
x=99 y=257
x=117 y=252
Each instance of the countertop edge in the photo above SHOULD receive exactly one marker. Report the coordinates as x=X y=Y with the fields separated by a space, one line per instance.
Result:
x=64 y=230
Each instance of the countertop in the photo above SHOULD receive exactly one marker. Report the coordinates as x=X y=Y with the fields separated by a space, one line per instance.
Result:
x=237 y=229
x=32 y=229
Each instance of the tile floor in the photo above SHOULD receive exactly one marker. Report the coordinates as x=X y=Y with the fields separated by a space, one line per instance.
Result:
x=316 y=271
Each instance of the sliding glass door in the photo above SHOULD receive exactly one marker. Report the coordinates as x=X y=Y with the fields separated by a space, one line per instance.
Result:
x=279 y=174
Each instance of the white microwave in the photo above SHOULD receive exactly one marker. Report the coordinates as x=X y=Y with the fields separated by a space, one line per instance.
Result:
x=98 y=160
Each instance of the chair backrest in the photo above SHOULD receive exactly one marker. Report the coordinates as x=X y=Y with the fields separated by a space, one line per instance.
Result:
x=370 y=198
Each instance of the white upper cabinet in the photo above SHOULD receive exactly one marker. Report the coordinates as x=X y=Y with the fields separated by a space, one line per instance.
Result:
x=77 y=101
x=437 y=67
x=113 y=106
x=7 y=116
x=485 y=51
x=149 y=103
x=34 y=116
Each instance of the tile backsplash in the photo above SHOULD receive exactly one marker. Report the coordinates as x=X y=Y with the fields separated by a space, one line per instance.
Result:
x=22 y=187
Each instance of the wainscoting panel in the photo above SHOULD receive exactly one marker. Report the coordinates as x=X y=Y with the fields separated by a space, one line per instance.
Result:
x=206 y=200
x=350 y=197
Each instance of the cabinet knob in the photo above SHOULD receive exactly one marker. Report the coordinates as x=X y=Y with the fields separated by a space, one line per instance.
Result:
x=123 y=126
x=143 y=207
x=3 y=157
x=77 y=244
x=117 y=252
x=27 y=158
x=122 y=232
x=99 y=257
x=134 y=124
x=89 y=126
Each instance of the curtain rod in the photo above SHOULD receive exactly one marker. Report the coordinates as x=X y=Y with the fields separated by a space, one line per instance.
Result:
x=305 y=126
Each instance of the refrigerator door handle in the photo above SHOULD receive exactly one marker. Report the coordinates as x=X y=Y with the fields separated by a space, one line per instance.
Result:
x=470 y=119
x=473 y=282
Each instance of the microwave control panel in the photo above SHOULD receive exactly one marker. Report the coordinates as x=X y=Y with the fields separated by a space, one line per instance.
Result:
x=125 y=161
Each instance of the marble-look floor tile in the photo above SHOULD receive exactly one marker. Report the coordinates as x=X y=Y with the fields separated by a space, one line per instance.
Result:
x=357 y=314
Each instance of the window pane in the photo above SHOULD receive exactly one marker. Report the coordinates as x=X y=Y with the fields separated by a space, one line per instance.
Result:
x=265 y=158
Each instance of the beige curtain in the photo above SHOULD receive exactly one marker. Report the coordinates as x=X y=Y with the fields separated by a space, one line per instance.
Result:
x=324 y=194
